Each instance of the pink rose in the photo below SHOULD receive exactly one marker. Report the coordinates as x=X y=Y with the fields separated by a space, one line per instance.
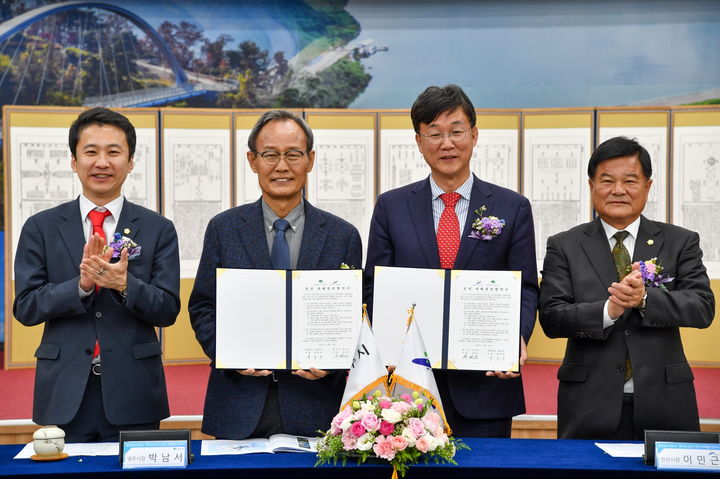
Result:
x=416 y=426
x=338 y=420
x=433 y=422
x=386 y=428
x=422 y=444
x=383 y=447
x=401 y=406
x=420 y=406
x=385 y=404
x=357 y=429
x=370 y=421
x=348 y=441
x=650 y=267
x=406 y=397
x=399 y=443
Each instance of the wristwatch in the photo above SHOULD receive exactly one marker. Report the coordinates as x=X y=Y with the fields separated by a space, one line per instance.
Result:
x=642 y=304
x=123 y=292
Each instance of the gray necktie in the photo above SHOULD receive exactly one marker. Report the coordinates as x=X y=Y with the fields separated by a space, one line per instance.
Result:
x=280 y=254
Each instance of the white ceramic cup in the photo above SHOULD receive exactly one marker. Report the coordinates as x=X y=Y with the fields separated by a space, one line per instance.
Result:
x=49 y=441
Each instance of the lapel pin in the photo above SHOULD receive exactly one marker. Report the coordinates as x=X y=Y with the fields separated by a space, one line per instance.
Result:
x=650 y=242
x=127 y=232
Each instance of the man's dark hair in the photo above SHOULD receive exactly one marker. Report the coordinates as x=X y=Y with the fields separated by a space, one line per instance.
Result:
x=435 y=101
x=274 y=115
x=101 y=116
x=616 y=148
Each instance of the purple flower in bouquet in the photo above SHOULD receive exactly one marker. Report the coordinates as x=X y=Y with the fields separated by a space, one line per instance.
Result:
x=120 y=242
x=651 y=270
x=486 y=227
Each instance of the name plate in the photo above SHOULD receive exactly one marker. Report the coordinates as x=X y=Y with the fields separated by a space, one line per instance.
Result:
x=154 y=454
x=683 y=455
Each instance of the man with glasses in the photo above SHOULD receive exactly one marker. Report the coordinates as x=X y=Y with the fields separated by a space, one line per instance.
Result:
x=429 y=224
x=279 y=231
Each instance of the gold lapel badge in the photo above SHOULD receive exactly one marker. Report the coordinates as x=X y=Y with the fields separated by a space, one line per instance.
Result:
x=650 y=242
x=127 y=232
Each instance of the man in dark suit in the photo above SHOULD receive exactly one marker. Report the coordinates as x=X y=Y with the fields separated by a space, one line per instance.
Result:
x=99 y=368
x=624 y=369
x=410 y=228
x=279 y=231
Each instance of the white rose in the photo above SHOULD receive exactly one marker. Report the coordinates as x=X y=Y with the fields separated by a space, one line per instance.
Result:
x=347 y=422
x=409 y=436
x=391 y=416
x=367 y=406
x=365 y=442
x=432 y=442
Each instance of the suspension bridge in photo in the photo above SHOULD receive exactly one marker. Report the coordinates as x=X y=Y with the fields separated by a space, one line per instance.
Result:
x=45 y=49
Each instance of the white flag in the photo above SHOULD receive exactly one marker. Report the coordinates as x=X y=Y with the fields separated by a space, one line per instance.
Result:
x=367 y=372
x=414 y=371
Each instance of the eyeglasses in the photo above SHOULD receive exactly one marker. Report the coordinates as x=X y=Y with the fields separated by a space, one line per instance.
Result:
x=272 y=157
x=437 y=138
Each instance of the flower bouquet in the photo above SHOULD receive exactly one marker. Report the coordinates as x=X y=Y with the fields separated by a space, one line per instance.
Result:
x=120 y=242
x=650 y=271
x=486 y=227
x=401 y=431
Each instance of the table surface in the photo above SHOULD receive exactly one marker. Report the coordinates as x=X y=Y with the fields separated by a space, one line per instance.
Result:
x=498 y=457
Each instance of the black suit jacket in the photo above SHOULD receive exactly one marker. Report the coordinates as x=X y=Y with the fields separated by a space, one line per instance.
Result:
x=46 y=282
x=577 y=272
x=236 y=239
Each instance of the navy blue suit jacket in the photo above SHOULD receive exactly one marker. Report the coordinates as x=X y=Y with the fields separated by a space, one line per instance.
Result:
x=236 y=239
x=46 y=282
x=402 y=234
x=577 y=272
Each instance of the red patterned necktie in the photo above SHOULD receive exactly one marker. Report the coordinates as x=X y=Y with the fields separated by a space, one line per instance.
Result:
x=448 y=233
x=97 y=218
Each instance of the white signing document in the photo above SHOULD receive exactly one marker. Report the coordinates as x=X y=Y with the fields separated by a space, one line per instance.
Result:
x=326 y=309
x=484 y=323
x=468 y=319
x=269 y=319
x=395 y=291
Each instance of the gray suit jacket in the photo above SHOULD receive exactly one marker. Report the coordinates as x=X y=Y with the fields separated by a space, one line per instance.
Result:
x=46 y=281
x=236 y=239
x=577 y=272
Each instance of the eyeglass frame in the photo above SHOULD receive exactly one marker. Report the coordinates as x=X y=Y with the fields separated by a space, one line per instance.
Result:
x=281 y=154
x=438 y=138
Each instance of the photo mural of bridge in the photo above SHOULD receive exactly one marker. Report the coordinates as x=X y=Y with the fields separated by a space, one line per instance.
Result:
x=103 y=53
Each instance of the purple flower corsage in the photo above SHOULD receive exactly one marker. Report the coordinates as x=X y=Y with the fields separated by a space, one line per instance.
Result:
x=121 y=242
x=650 y=271
x=486 y=227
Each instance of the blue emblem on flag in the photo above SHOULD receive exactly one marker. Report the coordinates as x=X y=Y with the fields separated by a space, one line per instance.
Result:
x=422 y=362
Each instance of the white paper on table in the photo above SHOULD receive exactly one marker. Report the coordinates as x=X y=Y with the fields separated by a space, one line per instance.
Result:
x=250 y=319
x=395 y=291
x=484 y=325
x=77 y=449
x=326 y=309
x=622 y=449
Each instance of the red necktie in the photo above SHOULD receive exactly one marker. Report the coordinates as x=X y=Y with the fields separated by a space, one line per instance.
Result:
x=448 y=233
x=97 y=218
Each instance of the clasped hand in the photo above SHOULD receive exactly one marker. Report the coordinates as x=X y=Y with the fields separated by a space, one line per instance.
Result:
x=628 y=293
x=96 y=269
x=311 y=374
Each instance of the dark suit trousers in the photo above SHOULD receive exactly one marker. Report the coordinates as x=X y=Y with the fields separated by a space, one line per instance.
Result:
x=464 y=427
x=90 y=423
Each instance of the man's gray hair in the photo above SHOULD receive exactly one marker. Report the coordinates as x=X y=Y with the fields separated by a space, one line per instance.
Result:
x=273 y=115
